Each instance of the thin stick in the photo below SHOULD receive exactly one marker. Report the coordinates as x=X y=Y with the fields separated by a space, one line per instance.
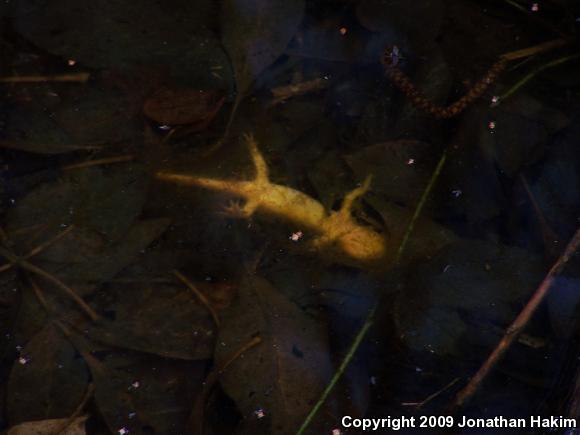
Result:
x=537 y=71
x=282 y=93
x=536 y=49
x=199 y=295
x=517 y=326
x=25 y=230
x=76 y=78
x=72 y=147
x=343 y=365
x=216 y=146
x=46 y=244
x=38 y=249
x=39 y=295
x=421 y=205
x=97 y=162
x=548 y=233
x=69 y=291
x=419 y=405
x=78 y=410
x=195 y=421
x=53 y=279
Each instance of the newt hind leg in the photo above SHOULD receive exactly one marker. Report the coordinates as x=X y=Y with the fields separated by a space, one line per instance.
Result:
x=353 y=195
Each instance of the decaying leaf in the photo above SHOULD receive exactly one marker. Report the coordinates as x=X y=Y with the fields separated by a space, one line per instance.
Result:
x=90 y=120
x=103 y=207
x=143 y=394
x=255 y=33
x=178 y=34
x=178 y=106
x=420 y=20
x=50 y=427
x=105 y=262
x=105 y=202
x=428 y=237
x=460 y=301
x=47 y=381
x=165 y=321
x=400 y=169
x=285 y=374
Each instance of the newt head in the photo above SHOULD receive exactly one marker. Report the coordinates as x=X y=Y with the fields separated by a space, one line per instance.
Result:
x=347 y=242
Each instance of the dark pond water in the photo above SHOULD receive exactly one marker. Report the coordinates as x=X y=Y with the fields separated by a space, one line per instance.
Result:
x=289 y=217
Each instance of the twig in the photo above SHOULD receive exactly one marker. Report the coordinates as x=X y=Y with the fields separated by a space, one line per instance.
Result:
x=198 y=294
x=75 y=77
x=78 y=410
x=39 y=295
x=97 y=162
x=548 y=233
x=419 y=405
x=282 y=93
x=537 y=71
x=225 y=136
x=517 y=326
x=53 y=279
x=38 y=249
x=69 y=291
x=196 y=420
x=71 y=147
x=337 y=375
x=535 y=18
x=536 y=49
x=421 y=205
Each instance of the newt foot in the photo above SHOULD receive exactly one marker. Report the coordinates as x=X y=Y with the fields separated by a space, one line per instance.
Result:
x=236 y=210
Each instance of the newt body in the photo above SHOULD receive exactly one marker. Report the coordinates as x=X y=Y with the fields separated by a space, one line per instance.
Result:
x=336 y=234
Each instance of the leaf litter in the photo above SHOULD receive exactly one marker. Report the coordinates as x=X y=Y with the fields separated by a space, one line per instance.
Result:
x=109 y=237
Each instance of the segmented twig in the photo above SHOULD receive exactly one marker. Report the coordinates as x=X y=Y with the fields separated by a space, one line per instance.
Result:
x=418 y=99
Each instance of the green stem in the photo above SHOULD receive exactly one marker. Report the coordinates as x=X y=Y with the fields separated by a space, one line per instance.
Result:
x=371 y=316
x=343 y=365
x=535 y=72
x=421 y=205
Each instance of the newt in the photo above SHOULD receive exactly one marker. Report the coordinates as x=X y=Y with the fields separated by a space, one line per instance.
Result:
x=336 y=234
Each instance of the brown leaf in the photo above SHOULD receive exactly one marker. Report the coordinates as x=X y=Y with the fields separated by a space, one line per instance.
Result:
x=48 y=382
x=49 y=427
x=144 y=394
x=178 y=106
x=285 y=374
x=400 y=169
x=219 y=294
x=255 y=33
x=166 y=321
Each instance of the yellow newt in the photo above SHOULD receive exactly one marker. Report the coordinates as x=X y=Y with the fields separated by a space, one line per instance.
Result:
x=336 y=235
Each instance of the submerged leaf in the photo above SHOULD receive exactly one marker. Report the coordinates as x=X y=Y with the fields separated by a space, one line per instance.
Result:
x=143 y=394
x=400 y=169
x=48 y=382
x=178 y=34
x=105 y=202
x=176 y=106
x=468 y=293
x=285 y=374
x=255 y=33
x=165 y=321
x=50 y=427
